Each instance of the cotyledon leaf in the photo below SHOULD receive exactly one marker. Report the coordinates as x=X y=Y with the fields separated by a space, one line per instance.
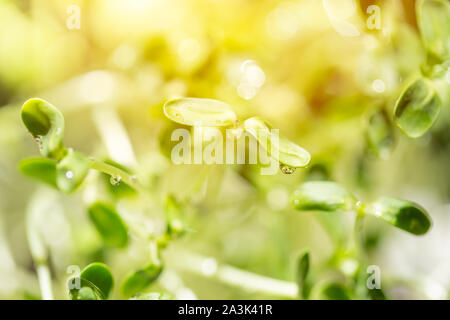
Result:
x=279 y=148
x=322 y=196
x=200 y=112
x=402 y=214
x=137 y=281
x=417 y=108
x=41 y=169
x=109 y=224
x=96 y=283
x=46 y=125
x=303 y=262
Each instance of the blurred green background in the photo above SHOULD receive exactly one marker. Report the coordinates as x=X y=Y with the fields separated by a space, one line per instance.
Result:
x=110 y=79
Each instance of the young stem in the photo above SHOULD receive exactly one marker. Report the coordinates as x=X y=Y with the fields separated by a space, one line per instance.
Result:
x=117 y=172
x=233 y=276
x=44 y=278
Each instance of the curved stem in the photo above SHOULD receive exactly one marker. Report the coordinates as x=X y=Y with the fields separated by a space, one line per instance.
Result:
x=236 y=277
x=117 y=172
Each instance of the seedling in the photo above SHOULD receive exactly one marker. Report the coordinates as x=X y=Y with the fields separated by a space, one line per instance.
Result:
x=419 y=104
x=198 y=112
x=65 y=169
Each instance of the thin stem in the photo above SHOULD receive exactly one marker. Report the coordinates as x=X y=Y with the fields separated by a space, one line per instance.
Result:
x=38 y=249
x=236 y=277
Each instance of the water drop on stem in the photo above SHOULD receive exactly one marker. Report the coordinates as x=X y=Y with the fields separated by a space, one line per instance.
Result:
x=115 y=180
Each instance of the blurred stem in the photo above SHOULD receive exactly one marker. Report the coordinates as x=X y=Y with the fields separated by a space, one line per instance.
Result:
x=38 y=249
x=208 y=267
x=45 y=283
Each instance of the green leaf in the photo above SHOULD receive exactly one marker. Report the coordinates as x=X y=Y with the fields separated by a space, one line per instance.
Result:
x=141 y=279
x=109 y=224
x=41 y=169
x=334 y=291
x=417 y=108
x=402 y=214
x=380 y=135
x=46 y=125
x=86 y=293
x=433 y=18
x=285 y=151
x=153 y=296
x=200 y=112
x=323 y=196
x=302 y=274
x=71 y=171
x=96 y=283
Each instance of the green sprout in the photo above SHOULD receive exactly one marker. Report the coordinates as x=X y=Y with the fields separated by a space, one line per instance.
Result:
x=417 y=108
x=96 y=282
x=214 y=113
x=330 y=196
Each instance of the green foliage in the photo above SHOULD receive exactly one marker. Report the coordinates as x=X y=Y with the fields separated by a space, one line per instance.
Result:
x=109 y=224
x=71 y=171
x=417 y=108
x=96 y=283
x=138 y=281
x=330 y=196
x=283 y=150
x=200 y=112
x=323 y=196
x=46 y=125
x=433 y=18
x=41 y=169
x=402 y=214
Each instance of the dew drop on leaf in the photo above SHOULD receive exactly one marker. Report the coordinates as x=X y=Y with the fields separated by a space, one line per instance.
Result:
x=69 y=174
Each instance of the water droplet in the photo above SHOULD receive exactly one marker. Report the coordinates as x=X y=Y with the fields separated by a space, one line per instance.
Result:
x=38 y=140
x=115 y=180
x=133 y=178
x=286 y=169
x=69 y=174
